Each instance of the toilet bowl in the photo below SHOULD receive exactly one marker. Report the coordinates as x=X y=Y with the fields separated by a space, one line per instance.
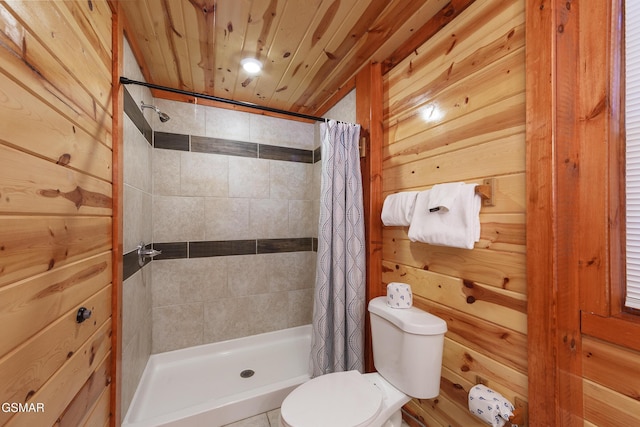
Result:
x=344 y=399
x=407 y=352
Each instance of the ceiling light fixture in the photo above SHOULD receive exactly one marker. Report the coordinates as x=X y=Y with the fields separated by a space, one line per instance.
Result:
x=251 y=65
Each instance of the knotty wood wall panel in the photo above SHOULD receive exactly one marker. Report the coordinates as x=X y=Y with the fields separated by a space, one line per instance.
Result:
x=85 y=59
x=50 y=295
x=32 y=182
x=605 y=407
x=39 y=358
x=52 y=83
x=56 y=208
x=611 y=383
x=455 y=111
x=67 y=143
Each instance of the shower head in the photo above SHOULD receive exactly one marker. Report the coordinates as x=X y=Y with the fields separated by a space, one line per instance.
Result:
x=164 y=117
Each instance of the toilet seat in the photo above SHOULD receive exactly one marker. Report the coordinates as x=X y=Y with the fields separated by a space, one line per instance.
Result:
x=340 y=399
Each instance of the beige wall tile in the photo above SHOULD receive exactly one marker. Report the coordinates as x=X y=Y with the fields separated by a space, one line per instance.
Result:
x=248 y=177
x=345 y=110
x=136 y=303
x=178 y=219
x=177 y=326
x=239 y=317
x=268 y=219
x=248 y=275
x=227 y=124
x=227 y=219
x=226 y=319
x=187 y=119
x=137 y=168
x=204 y=174
x=166 y=172
x=281 y=132
x=290 y=271
x=138 y=218
x=134 y=359
x=300 y=311
x=181 y=281
x=290 y=180
x=301 y=218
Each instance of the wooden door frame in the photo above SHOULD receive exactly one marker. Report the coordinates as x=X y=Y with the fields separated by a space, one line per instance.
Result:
x=369 y=102
x=117 y=221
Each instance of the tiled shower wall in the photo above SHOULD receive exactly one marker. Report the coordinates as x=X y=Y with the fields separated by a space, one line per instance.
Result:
x=137 y=227
x=235 y=217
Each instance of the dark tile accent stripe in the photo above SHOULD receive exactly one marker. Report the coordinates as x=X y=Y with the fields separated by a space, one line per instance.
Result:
x=171 y=141
x=203 y=249
x=221 y=248
x=132 y=110
x=224 y=146
x=270 y=246
x=272 y=152
x=315 y=244
x=129 y=264
x=203 y=144
x=172 y=250
x=317 y=155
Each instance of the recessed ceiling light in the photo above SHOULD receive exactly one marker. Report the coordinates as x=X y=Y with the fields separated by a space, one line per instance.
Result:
x=251 y=65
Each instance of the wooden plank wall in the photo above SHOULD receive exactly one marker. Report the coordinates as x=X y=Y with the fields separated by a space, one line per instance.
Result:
x=55 y=211
x=609 y=349
x=455 y=111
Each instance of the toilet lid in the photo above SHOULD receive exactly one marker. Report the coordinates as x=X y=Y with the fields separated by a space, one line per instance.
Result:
x=340 y=399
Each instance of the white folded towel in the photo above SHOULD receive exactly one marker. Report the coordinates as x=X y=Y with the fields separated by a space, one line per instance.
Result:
x=443 y=196
x=456 y=225
x=397 y=208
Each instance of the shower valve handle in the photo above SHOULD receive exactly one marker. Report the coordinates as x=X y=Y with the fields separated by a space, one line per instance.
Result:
x=145 y=253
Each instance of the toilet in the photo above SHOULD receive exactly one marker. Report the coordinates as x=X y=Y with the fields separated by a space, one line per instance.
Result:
x=407 y=353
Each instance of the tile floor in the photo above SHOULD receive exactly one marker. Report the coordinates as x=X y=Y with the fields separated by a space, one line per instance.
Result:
x=268 y=419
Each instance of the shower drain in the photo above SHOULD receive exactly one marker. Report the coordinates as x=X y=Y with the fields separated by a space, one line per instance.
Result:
x=247 y=373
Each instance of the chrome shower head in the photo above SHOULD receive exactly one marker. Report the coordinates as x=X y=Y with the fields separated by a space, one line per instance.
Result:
x=164 y=117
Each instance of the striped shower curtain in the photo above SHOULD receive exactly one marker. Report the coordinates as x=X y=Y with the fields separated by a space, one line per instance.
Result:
x=337 y=341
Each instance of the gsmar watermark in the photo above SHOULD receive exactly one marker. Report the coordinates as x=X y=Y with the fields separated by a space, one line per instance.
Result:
x=14 y=407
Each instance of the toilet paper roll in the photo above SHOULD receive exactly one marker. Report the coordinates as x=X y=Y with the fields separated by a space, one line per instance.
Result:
x=399 y=295
x=489 y=405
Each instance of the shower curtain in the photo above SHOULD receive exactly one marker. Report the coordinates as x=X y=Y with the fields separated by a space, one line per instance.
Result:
x=337 y=341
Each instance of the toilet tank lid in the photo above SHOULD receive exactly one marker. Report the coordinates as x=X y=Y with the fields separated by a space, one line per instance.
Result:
x=411 y=320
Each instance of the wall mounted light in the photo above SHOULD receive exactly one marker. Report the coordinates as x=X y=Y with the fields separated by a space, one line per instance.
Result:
x=251 y=65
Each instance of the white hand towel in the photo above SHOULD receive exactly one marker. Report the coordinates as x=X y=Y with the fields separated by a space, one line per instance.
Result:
x=458 y=226
x=397 y=208
x=443 y=196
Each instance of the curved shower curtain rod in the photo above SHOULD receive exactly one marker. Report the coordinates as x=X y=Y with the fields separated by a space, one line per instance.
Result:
x=126 y=81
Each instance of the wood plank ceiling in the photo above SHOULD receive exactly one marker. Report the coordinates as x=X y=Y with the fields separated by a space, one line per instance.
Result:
x=309 y=48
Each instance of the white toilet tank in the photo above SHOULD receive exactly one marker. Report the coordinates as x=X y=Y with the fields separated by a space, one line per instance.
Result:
x=407 y=347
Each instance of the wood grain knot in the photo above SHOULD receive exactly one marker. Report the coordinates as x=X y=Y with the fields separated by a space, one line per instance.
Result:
x=64 y=160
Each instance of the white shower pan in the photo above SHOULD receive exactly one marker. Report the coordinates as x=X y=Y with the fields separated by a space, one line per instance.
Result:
x=220 y=383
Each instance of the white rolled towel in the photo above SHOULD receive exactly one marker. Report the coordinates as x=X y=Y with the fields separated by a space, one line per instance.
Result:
x=399 y=295
x=397 y=208
x=489 y=405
